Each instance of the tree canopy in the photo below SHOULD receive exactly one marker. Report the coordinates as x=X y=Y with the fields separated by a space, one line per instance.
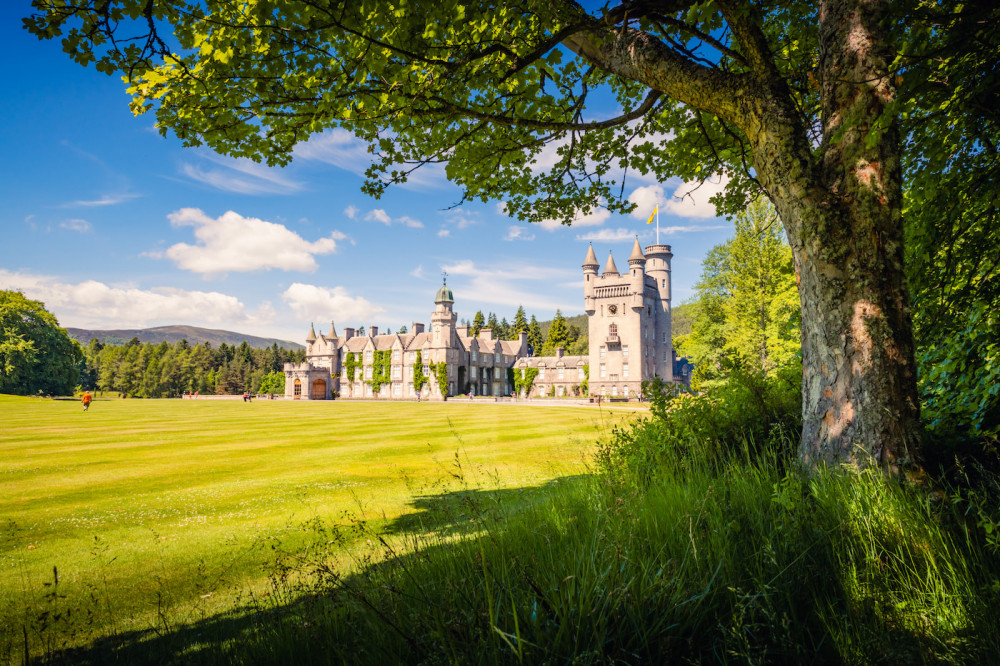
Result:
x=36 y=355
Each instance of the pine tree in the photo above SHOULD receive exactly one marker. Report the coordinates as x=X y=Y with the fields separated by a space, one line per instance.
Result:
x=477 y=323
x=558 y=335
x=493 y=325
x=535 y=340
x=520 y=323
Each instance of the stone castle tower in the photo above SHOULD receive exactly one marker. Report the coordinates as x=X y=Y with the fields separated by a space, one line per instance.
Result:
x=629 y=321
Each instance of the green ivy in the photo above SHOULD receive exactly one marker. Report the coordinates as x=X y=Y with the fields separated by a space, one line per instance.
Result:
x=351 y=363
x=419 y=378
x=524 y=380
x=441 y=370
x=585 y=384
x=381 y=370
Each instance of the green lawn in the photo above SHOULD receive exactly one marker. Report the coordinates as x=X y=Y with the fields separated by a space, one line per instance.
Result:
x=158 y=512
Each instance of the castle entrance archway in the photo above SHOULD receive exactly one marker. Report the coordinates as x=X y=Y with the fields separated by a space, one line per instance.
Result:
x=297 y=392
x=318 y=390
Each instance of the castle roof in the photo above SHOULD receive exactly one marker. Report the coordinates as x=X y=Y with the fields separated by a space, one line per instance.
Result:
x=356 y=344
x=384 y=342
x=610 y=268
x=551 y=361
x=312 y=334
x=444 y=295
x=511 y=347
x=417 y=340
x=332 y=335
x=637 y=255
x=591 y=259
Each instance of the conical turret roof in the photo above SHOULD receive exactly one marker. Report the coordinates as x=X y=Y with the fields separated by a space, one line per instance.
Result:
x=332 y=335
x=637 y=255
x=591 y=259
x=610 y=268
x=312 y=334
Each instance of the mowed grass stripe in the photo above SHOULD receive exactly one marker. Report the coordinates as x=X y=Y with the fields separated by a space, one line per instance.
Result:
x=136 y=497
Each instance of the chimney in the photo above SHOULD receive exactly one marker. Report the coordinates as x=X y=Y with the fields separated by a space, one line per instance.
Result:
x=486 y=333
x=418 y=327
x=372 y=331
x=522 y=339
x=559 y=352
x=348 y=333
x=463 y=331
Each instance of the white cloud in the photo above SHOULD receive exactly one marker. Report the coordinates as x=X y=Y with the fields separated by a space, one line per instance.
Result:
x=410 y=222
x=593 y=219
x=444 y=233
x=105 y=200
x=321 y=303
x=236 y=243
x=379 y=215
x=610 y=235
x=509 y=286
x=689 y=199
x=351 y=212
x=241 y=175
x=93 y=304
x=515 y=232
x=341 y=149
x=418 y=272
x=76 y=225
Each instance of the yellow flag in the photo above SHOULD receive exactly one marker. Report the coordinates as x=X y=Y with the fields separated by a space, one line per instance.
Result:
x=650 y=220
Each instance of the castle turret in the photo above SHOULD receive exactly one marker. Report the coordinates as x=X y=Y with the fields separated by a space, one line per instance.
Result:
x=443 y=319
x=658 y=268
x=332 y=335
x=590 y=268
x=312 y=334
x=610 y=268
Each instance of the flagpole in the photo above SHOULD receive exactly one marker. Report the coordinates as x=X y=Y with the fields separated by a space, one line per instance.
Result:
x=657 y=225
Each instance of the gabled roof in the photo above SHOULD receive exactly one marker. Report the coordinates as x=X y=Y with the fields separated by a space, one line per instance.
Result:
x=416 y=340
x=355 y=344
x=384 y=342
x=511 y=347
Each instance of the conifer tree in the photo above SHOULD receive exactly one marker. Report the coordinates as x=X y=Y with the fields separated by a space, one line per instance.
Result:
x=477 y=323
x=520 y=323
x=535 y=340
x=558 y=335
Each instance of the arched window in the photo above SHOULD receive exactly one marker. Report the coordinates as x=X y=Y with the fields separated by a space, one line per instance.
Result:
x=613 y=330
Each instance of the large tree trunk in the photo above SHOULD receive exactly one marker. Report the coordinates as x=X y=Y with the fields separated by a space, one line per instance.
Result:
x=843 y=213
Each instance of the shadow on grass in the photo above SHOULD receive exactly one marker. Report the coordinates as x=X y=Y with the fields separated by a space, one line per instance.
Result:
x=287 y=611
x=461 y=511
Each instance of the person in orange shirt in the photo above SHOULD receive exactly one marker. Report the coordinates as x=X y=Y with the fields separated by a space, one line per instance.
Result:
x=86 y=399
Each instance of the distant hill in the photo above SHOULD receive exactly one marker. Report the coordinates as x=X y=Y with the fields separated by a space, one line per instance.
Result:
x=173 y=334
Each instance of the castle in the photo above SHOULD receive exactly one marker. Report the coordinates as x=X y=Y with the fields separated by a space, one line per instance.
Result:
x=629 y=329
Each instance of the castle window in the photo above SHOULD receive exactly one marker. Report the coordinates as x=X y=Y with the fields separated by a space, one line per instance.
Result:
x=472 y=372
x=666 y=356
x=603 y=351
x=614 y=390
x=368 y=356
x=395 y=356
x=604 y=371
x=496 y=358
x=663 y=283
x=665 y=337
x=541 y=372
x=474 y=356
x=625 y=370
x=625 y=391
x=613 y=331
x=624 y=351
x=427 y=370
x=560 y=373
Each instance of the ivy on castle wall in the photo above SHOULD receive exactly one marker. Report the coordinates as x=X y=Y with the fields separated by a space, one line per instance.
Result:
x=440 y=370
x=419 y=378
x=585 y=384
x=351 y=363
x=524 y=380
x=381 y=370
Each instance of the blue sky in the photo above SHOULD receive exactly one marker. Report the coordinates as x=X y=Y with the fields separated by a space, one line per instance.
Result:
x=114 y=226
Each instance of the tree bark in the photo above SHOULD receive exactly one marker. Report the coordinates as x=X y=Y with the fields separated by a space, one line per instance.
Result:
x=843 y=213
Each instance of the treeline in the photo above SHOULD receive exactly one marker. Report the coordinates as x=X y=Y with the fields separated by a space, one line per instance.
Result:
x=167 y=370
x=543 y=338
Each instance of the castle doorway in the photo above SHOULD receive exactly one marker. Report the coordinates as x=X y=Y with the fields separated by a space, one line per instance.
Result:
x=297 y=392
x=318 y=390
x=461 y=379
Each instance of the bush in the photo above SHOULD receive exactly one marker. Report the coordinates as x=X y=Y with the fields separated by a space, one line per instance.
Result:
x=747 y=416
